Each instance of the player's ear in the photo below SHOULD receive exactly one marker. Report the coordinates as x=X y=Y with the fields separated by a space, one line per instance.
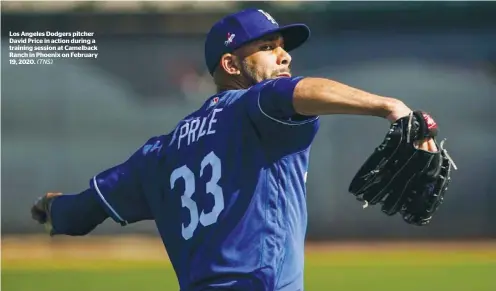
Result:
x=229 y=63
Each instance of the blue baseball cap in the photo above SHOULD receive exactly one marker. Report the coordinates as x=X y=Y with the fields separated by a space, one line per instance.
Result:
x=245 y=26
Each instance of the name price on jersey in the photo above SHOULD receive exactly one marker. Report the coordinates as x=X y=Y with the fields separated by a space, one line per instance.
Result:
x=31 y=61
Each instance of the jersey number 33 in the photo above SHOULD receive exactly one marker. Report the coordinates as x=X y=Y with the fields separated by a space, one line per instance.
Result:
x=212 y=188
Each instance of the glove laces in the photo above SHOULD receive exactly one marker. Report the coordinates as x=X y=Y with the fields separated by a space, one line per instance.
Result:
x=410 y=118
x=447 y=155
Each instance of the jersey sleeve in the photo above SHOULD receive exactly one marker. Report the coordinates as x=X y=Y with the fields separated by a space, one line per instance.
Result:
x=121 y=190
x=272 y=101
x=271 y=112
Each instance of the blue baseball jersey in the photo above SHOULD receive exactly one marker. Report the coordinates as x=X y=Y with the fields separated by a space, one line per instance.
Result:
x=226 y=189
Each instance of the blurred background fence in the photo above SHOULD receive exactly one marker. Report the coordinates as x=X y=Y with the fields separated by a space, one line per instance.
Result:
x=64 y=122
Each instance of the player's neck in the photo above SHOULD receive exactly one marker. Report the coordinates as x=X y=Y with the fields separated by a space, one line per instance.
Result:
x=221 y=89
x=226 y=82
x=233 y=85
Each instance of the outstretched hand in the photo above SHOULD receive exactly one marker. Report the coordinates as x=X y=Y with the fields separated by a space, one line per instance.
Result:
x=427 y=144
x=400 y=110
x=40 y=211
x=406 y=173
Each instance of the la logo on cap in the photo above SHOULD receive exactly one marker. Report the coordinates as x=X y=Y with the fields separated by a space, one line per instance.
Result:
x=269 y=17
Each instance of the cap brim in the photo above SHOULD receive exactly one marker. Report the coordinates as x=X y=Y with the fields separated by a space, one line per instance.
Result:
x=294 y=35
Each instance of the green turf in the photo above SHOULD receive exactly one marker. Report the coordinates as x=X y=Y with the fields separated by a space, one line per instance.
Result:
x=390 y=278
x=95 y=280
x=339 y=271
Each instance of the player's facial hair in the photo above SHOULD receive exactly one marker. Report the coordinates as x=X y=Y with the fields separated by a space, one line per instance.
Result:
x=249 y=72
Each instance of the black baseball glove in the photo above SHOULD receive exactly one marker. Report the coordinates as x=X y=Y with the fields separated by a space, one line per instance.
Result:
x=403 y=178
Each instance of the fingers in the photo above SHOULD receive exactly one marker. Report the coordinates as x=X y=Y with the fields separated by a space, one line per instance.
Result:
x=427 y=145
x=423 y=145
x=38 y=213
x=53 y=194
x=432 y=146
x=38 y=210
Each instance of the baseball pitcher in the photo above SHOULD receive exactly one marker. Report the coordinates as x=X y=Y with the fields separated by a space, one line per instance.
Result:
x=226 y=187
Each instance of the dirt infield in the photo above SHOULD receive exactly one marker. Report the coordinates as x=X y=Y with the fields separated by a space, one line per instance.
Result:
x=149 y=248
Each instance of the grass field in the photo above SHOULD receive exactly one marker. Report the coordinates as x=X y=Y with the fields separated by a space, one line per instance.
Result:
x=129 y=264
